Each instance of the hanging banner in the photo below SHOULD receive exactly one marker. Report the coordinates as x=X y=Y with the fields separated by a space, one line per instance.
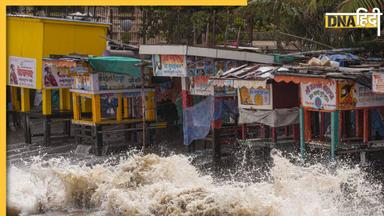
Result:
x=250 y=83
x=223 y=87
x=346 y=95
x=113 y=81
x=22 y=72
x=57 y=73
x=169 y=65
x=200 y=66
x=378 y=82
x=318 y=95
x=200 y=86
x=257 y=98
x=366 y=98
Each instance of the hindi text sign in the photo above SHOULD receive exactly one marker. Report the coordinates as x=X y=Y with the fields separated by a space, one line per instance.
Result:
x=22 y=72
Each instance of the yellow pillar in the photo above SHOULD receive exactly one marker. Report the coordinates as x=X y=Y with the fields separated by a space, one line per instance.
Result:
x=47 y=101
x=76 y=106
x=119 y=113
x=86 y=105
x=68 y=99
x=126 y=107
x=96 y=115
x=150 y=106
x=25 y=100
x=62 y=99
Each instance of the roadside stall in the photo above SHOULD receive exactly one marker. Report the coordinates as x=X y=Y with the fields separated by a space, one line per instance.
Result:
x=40 y=84
x=218 y=100
x=268 y=110
x=194 y=66
x=113 y=89
x=339 y=111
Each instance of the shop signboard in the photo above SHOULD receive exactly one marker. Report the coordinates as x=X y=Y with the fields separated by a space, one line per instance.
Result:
x=22 y=72
x=112 y=81
x=223 y=87
x=365 y=97
x=169 y=65
x=200 y=86
x=105 y=81
x=57 y=73
x=378 y=82
x=200 y=66
x=87 y=82
x=346 y=95
x=254 y=94
x=319 y=95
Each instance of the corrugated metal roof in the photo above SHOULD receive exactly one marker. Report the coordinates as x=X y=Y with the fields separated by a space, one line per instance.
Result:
x=58 y=19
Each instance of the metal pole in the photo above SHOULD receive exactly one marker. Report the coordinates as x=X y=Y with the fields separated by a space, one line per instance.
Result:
x=334 y=132
x=302 y=140
x=142 y=67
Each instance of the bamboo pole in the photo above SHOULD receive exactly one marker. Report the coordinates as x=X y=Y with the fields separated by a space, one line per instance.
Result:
x=142 y=70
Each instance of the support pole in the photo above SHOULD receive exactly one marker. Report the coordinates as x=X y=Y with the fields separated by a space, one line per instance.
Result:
x=143 y=100
x=47 y=101
x=119 y=113
x=341 y=124
x=366 y=126
x=25 y=100
x=302 y=128
x=27 y=129
x=334 y=133
x=47 y=130
x=76 y=106
x=14 y=99
x=358 y=131
x=96 y=115
x=274 y=135
x=322 y=126
x=243 y=131
x=62 y=99
x=126 y=106
x=99 y=140
x=307 y=123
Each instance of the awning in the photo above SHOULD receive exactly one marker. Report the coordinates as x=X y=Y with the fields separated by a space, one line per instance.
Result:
x=301 y=79
x=116 y=64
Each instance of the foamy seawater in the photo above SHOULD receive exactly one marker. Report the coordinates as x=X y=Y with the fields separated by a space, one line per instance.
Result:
x=155 y=185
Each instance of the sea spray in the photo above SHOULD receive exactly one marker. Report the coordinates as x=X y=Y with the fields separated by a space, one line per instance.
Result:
x=160 y=185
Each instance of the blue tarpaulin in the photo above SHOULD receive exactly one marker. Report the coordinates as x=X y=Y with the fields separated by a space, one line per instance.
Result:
x=197 y=119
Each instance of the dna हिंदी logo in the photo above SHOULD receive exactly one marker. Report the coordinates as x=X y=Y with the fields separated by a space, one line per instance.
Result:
x=361 y=19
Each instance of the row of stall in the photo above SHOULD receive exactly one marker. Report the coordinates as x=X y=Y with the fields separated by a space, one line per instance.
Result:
x=55 y=75
x=265 y=104
x=228 y=97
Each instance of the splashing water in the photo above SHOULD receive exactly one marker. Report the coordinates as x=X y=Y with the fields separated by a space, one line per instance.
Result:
x=154 y=185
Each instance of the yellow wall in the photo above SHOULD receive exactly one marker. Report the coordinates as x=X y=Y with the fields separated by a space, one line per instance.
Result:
x=38 y=38
x=25 y=39
x=64 y=38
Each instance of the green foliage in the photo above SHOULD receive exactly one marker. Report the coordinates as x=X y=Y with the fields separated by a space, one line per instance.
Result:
x=353 y=5
x=304 y=19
